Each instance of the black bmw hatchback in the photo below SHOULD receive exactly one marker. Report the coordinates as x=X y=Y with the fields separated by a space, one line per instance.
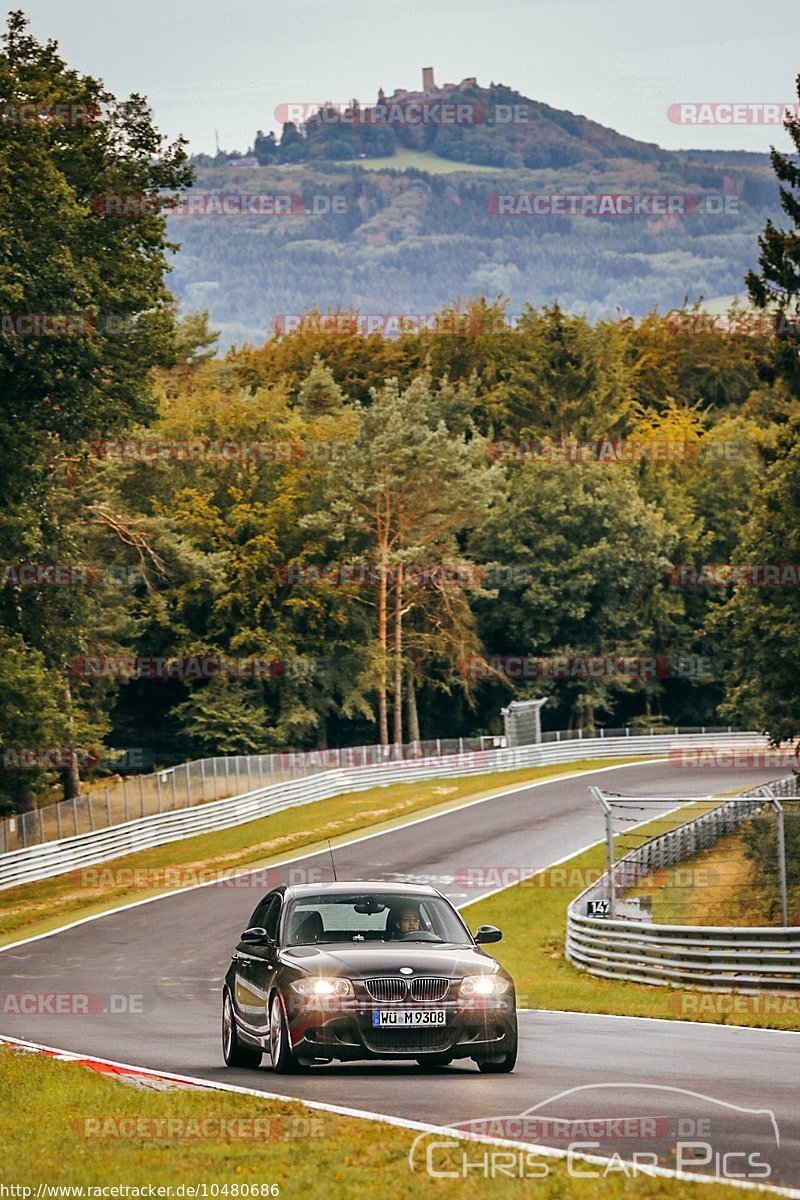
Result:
x=365 y=971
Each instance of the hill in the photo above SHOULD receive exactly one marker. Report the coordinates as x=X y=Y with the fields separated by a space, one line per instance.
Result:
x=415 y=224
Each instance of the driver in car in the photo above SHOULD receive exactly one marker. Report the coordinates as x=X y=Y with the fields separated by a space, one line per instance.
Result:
x=405 y=920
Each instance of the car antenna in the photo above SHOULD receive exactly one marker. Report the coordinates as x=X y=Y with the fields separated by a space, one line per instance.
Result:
x=333 y=864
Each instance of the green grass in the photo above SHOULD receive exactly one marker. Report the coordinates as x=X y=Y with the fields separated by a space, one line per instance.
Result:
x=423 y=160
x=40 y=907
x=533 y=914
x=46 y=1107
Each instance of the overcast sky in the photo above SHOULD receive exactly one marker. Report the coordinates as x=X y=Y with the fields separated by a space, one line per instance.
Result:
x=221 y=66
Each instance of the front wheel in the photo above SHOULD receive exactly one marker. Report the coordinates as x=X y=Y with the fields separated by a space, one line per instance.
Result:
x=283 y=1061
x=501 y=1067
x=234 y=1052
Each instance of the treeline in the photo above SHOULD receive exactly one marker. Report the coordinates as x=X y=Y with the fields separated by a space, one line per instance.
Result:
x=408 y=241
x=387 y=524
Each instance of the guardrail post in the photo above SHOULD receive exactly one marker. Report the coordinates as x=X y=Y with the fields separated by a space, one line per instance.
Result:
x=781 y=862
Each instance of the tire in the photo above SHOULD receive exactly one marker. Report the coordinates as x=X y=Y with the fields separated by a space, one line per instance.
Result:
x=504 y=1065
x=499 y=1068
x=235 y=1053
x=283 y=1061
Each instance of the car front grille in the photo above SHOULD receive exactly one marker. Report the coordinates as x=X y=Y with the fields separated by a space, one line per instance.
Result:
x=408 y=1041
x=425 y=989
x=429 y=987
x=386 y=989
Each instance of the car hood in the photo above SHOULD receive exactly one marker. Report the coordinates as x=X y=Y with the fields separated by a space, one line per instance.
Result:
x=357 y=962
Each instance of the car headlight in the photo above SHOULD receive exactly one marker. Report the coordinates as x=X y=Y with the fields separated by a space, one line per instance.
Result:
x=483 y=985
x=322 y=986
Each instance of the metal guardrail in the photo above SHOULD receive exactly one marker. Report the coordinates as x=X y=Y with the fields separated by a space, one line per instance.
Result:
x=71 y=853
x=704 y=957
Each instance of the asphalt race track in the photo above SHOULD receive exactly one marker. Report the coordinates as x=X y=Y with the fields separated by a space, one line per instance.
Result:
x=732 y=1091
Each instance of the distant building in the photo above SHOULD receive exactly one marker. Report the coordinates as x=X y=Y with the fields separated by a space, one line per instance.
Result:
x=429 y=88
x=246 y=161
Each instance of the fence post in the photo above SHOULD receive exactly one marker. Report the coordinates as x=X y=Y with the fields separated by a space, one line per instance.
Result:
x=781 y=862
x=108 y=808
x=173 y=777
x=203 y=776
x=141 y=795
x=125 y=795
x=58 y=818
x=272 y=768
x=238 y=784
x=158 y=789
x=75 y=812
x=41 y=823
x=188 y=787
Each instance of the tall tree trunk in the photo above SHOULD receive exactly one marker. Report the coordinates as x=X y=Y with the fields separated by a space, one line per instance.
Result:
x=383 y=716
x=398 y=658
x=413 y=718
x=70 y=775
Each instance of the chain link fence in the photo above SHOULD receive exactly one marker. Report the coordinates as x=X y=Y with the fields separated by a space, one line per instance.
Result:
x=731 y=862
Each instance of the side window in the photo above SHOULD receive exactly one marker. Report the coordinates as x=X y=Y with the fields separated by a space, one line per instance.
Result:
x=258 y=919
x=270 y=922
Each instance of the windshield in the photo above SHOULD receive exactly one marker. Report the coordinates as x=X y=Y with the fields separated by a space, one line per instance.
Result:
x=375 y=918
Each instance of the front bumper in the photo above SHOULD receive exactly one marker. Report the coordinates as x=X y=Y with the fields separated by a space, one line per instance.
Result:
x=485 y=1028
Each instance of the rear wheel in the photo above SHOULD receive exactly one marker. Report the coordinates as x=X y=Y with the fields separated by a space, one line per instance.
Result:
x=235 y=1053
x=283 y=1061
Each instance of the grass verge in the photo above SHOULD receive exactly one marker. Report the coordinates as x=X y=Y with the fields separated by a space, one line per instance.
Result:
x=718 y=886
x=49 y=904
x=48 y=1107
x=534 y=912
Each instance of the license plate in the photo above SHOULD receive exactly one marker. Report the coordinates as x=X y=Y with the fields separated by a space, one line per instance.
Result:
x=405 y=1017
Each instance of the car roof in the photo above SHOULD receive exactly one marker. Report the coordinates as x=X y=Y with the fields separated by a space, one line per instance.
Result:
x=359 y=887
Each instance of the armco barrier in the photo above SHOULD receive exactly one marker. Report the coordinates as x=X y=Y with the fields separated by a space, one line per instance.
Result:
x=57 y=857
x=709 y=958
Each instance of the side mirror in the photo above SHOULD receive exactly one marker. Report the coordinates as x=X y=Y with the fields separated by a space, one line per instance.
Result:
x=256 y=936
x=488 y=933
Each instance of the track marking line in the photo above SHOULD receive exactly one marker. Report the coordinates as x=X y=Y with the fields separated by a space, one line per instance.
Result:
x=401 y=1122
